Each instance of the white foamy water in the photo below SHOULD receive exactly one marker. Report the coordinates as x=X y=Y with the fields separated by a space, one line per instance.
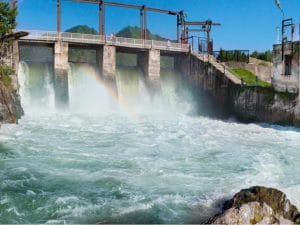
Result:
x=156 y=166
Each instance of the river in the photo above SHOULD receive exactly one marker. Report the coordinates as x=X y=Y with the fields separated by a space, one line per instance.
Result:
x=144 y=160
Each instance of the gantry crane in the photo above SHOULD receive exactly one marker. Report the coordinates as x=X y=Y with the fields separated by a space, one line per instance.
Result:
x=143 y=15
x=182 y=24
x=205 y=26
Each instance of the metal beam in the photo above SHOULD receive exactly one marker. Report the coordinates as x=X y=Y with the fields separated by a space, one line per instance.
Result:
x=101 y=18
x=196 y=30
x=143 y=14
x=58 y=19
x=204 y=23
x=145 y=22
x=174 y=13
x=141 y=24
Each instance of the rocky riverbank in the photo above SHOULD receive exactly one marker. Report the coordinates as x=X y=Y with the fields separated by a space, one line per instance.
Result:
x=259 y=104
x=10 y=104
x=257 y=205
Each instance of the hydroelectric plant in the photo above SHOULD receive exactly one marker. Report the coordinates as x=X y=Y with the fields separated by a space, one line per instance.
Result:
x=123 y=130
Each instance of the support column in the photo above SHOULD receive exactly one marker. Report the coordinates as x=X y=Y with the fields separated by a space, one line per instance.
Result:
x=108 y=67
x=149 y=62
x=61 y=69
x=109 y=63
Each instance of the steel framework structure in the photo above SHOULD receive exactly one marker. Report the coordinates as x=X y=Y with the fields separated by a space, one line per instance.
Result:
x=182 y=24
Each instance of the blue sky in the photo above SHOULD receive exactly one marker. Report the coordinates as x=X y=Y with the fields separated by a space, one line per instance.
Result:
x=246 y=24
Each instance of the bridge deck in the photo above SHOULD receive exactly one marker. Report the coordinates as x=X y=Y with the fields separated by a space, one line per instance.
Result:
x=52 y=36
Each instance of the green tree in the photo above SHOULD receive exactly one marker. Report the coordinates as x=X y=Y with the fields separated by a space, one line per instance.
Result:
x=7 y=24
x=266 y=56
x=7 y=19
x=135 y=32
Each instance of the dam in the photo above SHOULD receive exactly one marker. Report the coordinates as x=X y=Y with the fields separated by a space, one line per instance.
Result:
x=148 y=54
x=135 y=157
x=122 y=130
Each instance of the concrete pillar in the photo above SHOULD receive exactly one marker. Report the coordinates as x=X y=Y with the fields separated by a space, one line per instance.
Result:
x=149 y=62
x=61 y=68
x=154 y=68
x=109 y=63
x=108 y=67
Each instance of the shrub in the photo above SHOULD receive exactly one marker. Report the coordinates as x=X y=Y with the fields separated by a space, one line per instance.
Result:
x=5 y=72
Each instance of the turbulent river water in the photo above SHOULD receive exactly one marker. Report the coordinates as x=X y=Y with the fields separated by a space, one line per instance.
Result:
x=148 y=159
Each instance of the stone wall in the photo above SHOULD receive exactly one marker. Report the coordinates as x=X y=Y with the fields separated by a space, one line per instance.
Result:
x=260 y=68
x=231 y=99
x=10 y=104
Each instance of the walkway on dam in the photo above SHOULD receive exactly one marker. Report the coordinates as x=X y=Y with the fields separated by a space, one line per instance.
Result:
x=52 y=36
x=219 y=66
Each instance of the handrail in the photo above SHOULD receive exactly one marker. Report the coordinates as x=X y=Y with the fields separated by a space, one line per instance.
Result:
x=102 y=39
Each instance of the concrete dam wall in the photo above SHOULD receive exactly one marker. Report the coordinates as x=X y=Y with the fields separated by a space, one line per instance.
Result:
x=216 y=90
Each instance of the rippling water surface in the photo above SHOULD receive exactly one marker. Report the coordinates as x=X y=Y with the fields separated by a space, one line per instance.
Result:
x=153 y=167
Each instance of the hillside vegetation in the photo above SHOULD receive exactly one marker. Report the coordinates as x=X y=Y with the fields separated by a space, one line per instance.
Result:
x=248 y=77
x=128 y=32
x=83 y=29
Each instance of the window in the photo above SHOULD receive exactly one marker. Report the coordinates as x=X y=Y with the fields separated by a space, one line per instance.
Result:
x=287 y=65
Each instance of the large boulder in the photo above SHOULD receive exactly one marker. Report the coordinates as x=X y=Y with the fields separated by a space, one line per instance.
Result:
x=257 y=205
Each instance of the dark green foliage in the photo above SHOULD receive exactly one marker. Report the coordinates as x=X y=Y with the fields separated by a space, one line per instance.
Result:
x=266 y=56
x=5 y=72
x=134 y=32
x=286 y=95
x=7 y=24
x=233 y=56
x=7 y=18
x=82 y=29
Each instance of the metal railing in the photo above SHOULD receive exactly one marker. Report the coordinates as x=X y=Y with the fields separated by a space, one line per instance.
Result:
x=101 y=39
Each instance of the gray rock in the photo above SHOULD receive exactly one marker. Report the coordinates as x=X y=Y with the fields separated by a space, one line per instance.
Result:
x=10 y=105
x=257 y=205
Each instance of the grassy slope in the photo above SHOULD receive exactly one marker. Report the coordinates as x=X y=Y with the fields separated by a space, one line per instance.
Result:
x=248 y=77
